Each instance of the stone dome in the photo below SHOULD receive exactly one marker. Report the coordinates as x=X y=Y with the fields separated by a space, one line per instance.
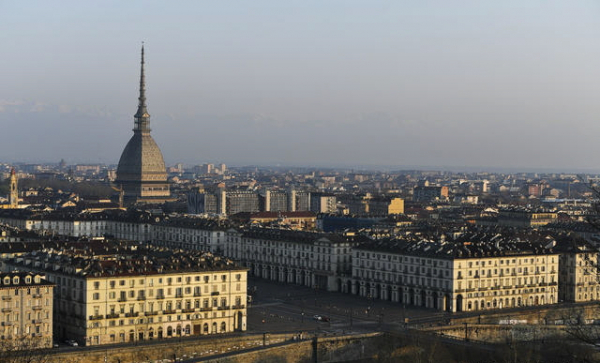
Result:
x=141 y=160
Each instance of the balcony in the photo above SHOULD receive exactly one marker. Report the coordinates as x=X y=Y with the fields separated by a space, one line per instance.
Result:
x=141 y=298
x=37 y=296
x=7 y=323
x=169 y=312
x=205 y=309
x=131 y=315
x=122 y=299
x=112 y=316
x=214 y=293
x=151 y=313
x=6 y=298
x=160 y=297
x=6 y=310
x=37 y=321
x=239 y=306
x=197 y=294
x=223 y=308
x=190 y=310
x=96 y=317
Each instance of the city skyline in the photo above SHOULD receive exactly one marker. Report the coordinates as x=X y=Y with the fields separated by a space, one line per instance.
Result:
x=491 y=86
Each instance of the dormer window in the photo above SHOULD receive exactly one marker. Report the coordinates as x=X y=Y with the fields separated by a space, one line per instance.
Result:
x=7 y=280
x=28 y=280
x=16 y=280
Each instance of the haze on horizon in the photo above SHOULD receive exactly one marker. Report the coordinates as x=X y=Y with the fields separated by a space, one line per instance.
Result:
x=511 y=84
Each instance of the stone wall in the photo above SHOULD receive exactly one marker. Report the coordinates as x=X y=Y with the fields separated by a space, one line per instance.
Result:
x=294 y=350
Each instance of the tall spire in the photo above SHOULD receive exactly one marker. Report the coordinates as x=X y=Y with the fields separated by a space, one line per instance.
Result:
x=142 y=117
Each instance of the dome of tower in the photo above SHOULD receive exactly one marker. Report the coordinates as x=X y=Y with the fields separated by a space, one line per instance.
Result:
x=141 y=160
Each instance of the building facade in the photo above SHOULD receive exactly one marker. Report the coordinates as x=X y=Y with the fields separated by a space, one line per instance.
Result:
x=454 y=279
x=26 y=311
x=131 y=293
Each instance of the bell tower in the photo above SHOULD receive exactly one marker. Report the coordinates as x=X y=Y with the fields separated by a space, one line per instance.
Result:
x=13 y=197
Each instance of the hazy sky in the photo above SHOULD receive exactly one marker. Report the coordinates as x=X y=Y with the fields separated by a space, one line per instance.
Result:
x=434 y=83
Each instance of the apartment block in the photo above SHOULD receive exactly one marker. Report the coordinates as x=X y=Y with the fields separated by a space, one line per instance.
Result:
x=110 y=292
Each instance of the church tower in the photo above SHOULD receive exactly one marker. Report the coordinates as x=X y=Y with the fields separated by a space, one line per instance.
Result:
x=141 y=173
x=13 y=197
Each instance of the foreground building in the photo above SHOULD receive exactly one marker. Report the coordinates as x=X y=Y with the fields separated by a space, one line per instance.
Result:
x=26 y=311
x=579 y=279
x=115 y=292
x=475 y=271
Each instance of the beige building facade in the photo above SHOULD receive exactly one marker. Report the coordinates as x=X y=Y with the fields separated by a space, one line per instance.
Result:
x=26 y=311
x=106 y=300
x=454 y=283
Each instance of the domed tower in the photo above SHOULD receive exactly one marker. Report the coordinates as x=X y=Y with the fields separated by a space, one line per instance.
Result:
x=141 y=172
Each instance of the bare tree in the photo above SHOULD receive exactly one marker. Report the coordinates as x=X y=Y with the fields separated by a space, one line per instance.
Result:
x=23 y=350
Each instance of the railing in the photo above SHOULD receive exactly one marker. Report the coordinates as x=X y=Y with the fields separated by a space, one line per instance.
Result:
x=96 y=317
x=122 y=299
x=214 y=293
x=160 y=297
x=112 y=316
x=37 y=296
x=151 y=313
x=140 y=298
x=131 y=315
x=6 y=310
x=238 y=306
x=190 y=310
x=223 y=308
x=205 y=309
x=169 y=312
x=6 y=298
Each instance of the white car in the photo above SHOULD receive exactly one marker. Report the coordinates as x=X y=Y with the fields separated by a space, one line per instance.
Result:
x=72 y=343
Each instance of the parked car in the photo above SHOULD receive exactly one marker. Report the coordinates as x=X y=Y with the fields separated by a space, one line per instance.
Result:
x=71 y=342
x=321 y=318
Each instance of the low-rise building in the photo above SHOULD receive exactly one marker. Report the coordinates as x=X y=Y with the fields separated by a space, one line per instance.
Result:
x=467 y=273
x=113 y=292
x=26 y=311
x=305 y=258
x=579 y=278
x=526 y=217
